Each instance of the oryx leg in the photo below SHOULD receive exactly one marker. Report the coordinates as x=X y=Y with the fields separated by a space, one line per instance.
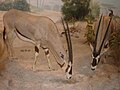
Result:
x=37 y=48
x=9 y=41
x=47 y=54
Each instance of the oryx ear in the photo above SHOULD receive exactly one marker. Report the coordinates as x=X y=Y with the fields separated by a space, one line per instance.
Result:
x=104 y=51
x=91 y=47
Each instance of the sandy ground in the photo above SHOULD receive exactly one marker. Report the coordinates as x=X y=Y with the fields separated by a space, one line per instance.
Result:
x=18 y=74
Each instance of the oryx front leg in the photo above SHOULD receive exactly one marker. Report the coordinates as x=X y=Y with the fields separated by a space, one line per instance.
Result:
x=9 y=41
x=37 y=48
x=48 y=58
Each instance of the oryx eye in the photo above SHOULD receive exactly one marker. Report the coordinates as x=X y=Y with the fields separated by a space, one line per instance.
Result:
x=62 y=56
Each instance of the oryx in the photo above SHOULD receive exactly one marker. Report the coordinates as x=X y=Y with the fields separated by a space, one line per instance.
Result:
x=39 y=30
x=104 y=28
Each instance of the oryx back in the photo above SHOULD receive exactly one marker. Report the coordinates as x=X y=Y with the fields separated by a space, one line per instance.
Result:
x=28 y=25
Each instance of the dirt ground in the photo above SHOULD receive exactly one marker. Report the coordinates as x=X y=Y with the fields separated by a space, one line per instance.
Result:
x=18 y=74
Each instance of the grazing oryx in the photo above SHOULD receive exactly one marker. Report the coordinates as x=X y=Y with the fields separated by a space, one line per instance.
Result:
x=103 y=29
x=39 y=30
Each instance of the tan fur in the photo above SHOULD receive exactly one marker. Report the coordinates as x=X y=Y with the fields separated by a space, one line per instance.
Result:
x=38 y=29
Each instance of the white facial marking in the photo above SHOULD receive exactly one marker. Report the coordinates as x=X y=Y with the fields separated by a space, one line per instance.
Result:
x=68 y=76
x=97 y=58
x=93 y=67
x=67 y=73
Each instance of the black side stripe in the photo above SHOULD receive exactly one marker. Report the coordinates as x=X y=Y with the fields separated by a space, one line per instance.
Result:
x=22 y=34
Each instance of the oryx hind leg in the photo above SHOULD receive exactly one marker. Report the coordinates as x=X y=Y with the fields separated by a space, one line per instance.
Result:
x=37 y=48
x=47 y=54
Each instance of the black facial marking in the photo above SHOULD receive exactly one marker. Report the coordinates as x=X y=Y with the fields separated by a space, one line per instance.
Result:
x=67 y=68
x=95 y=54
x=36 y=49
x=70 y=71
x=98 y=60
x=94 y=63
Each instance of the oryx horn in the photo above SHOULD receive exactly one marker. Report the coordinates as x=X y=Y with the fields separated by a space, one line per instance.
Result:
x=97 y=33
x=69 y=43
x=105 y=36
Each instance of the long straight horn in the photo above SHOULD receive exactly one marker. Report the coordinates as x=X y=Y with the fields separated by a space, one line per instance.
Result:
x=70 y=44
x=105 y=35
x=65 y=33
x=68 y=38
x=97 y=33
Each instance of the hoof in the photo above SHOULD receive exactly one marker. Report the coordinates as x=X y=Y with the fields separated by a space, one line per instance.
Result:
x=33 y=69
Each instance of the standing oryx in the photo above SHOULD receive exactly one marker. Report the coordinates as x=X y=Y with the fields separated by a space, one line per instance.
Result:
x=39 y=30
x=103 y=29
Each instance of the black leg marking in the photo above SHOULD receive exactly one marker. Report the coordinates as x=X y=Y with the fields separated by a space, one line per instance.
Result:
x=46 y=52
x=36 y=49
x=4 y=34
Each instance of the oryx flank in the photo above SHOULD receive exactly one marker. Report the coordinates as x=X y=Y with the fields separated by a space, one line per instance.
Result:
x=39 y=30
x=103 y=29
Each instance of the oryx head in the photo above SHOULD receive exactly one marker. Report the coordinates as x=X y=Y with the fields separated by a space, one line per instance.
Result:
x=96 y=54
x=68 y=70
